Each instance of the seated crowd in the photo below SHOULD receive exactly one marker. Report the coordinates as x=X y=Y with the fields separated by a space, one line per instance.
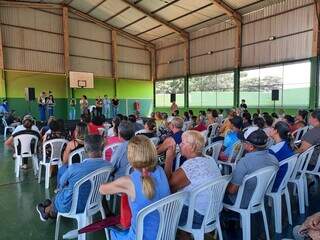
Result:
x=267 y=139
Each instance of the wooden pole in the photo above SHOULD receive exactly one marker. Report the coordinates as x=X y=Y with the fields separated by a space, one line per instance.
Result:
x=65 y=23
x=114 y=57
x=2 y=74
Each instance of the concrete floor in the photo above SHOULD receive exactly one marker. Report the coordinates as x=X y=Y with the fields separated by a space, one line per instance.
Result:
x=19 y=219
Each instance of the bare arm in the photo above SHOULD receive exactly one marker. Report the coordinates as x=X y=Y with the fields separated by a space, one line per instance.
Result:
x=9 y=142
x=178 y=180
x=121 y=185
x=304 y=146
x=66 y=153
x=168 y=142
x=232 y=188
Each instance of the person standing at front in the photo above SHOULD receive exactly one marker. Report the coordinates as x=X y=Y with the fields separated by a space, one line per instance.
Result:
x=42 y=101
x=106 y=106
x=115 y=105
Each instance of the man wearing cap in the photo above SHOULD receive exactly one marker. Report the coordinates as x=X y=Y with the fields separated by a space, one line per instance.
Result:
x=231 y=138
x=27 y=127
x=257 y=157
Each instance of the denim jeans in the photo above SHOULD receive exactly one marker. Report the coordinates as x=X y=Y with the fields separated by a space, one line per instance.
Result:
x=72 y=113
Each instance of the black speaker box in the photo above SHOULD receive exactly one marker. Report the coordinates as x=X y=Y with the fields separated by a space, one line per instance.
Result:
x=172 y=97
x=275 y=95
x=30 y=94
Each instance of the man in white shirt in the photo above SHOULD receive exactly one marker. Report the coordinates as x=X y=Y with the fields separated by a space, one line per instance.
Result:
x=106 y=106
x=27 y=127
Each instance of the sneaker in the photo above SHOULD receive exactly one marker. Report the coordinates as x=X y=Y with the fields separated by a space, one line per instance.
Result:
x=46 y=203
x=40 y=209
x=24 y=166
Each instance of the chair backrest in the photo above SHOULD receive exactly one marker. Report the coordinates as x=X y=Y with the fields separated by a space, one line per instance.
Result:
x=213 y=150
x=300 y=132
x=302 y=163
x=4 y=122
x=95 y=179
x=236 y=153
x=263 y=178
x=28 y=145
x=112 y=147
x=140 y=131
x=155 y=140
x=186 y=125
x=129 y=169
x=80 y=152
x=270 y=143
x=56 y=146
x=169 y=209
x=213 y=129
x=290 y=163
x=215 y=191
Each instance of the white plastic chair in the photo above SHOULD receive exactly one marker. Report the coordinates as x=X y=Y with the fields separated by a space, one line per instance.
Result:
x=211 y=221
x=140 y=131
x=282 y=190
x=6 y=127
x=169 y=209
x=299 y=179
x=236 y=154
x=56 y=147
x=263 y=178
x=214 y=150
x=93 y=204
x=299 y=133
x=213 y=132
x=25 y=142
x=155 y=140
x=113 y=148
x=80 y=152
x=186 y=125
x=315 y=171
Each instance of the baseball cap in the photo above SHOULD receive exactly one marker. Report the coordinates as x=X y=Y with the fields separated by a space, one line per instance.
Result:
x=255 y=136
x=27 y=117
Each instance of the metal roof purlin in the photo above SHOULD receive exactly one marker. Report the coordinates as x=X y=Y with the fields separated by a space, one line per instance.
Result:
x=182 y=33
x=29 y=4
x=228 y=10
x=110 y=27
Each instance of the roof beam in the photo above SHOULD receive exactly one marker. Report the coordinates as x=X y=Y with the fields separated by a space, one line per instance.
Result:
x=228 y=10
x=28 y=4
x=110 y=27
x=94 y=7
x=182 y=33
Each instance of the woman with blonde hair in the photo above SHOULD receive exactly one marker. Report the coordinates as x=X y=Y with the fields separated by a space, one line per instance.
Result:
x=144 y=186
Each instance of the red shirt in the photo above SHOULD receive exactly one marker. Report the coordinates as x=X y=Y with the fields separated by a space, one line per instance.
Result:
x=200 y=127
x=93 y=129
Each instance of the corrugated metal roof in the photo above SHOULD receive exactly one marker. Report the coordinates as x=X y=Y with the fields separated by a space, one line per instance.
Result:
x=190 y=15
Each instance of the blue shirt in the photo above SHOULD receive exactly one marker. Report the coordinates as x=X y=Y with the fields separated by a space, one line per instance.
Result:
x=75 y=172
x=151 y=221
x=281 y=151
x=119 y=160
x=230 y=139
x=250 y=163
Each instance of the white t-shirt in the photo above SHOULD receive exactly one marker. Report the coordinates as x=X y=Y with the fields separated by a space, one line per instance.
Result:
x=200 y=170
x=22 y=128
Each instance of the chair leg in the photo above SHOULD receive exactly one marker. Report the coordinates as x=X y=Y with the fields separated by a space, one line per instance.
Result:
x=82 y=222
x=103 y=214
x=35 y=165
x=17 y=166
x=39 y=173
x=198 y=235
x=56 y=235
x=306 y=192
x=265 y=221
x=301 y=198
x=47 y=177
x=219 y=229
x=288 y=204
x=246 y=226
x=5 y=133
x=277 y=213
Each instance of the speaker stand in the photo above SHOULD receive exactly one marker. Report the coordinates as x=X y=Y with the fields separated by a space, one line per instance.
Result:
x=274 y=106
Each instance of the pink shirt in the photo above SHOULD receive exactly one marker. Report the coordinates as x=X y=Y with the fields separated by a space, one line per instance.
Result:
x=109 y=141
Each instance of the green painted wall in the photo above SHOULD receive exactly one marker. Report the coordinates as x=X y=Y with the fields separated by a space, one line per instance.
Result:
x=127 y=90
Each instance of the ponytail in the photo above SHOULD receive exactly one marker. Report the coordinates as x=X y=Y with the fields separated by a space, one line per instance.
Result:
x=148 y=187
